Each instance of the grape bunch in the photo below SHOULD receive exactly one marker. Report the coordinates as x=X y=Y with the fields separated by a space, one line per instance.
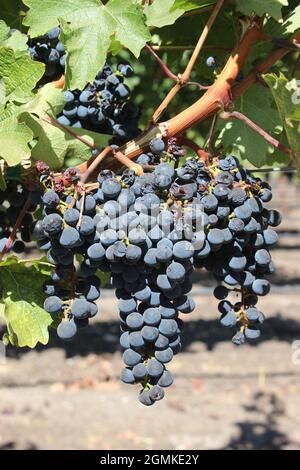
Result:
x=65 y=232
x=49 y=50
x=150 y=232
x=239 y=235
x=104 y=106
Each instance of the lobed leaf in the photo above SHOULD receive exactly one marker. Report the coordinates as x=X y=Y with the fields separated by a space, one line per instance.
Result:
x=22 y=293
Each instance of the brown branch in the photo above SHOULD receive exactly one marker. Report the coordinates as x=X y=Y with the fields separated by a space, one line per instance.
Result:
x=219 y=95
x=167 y=100
x=164 y=66
x=95 y=164
x=265 y=135
x=184 y=78
x=198 y=85
x=138 y=169
x=57 y=124
x=168 y=72
x=81 y=210
x=15 y=228
x=281 y=42
x=263 y=67
x=186 y=142
x=187 y=73
x=211 y=134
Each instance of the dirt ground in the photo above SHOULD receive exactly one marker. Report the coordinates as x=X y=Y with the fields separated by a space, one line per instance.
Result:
x=68 y=396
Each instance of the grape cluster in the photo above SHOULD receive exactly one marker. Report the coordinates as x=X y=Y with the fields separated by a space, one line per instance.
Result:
x=104 y=106
x=49 y=50
x=150 y=232
x=239 y=235
x=65 y=232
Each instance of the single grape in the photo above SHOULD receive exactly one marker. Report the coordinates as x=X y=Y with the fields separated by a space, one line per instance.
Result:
x=127 y=376
x=66 y=330
x=155 y=368
x=53 y=304
x=156 y=393
x=131 y=358
x=164 y=356
x=166 y=379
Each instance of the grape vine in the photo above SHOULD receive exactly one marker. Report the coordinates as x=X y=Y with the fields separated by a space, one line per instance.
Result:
x=146 y=202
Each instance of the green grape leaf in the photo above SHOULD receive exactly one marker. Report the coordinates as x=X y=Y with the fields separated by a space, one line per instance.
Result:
x=115 y=46
x=12 y=12
x=78 y=152
x=127 y=22
x=240 y=139
x=48 y=100
x=12 y=130
x=87 y=45
x=290 y=24
x=14 y=40
x=87 y=29
x=2 y=92
x=260 y=7
x=4 y=31
x=160 y=14
x=23 y=297
x=19 y=73
x=17 y=41
x=189 y=5
x=42 y=16
x=51 y=145
x=287 y=98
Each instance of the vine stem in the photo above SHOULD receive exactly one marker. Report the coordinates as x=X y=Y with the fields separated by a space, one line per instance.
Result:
x=211 y=134
x=220 y=94
x=95 y=164
x=183 y=140
x=198 y=85
x=168 y=72
x=256 y=128
x=184 y=78
x=187 y=73
x=55 y=123
x=138 y=169
x=81 y=209
x=163 y=65
x=287 y=44
x=263 y=67
x=15 y=228
x=216 y=97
